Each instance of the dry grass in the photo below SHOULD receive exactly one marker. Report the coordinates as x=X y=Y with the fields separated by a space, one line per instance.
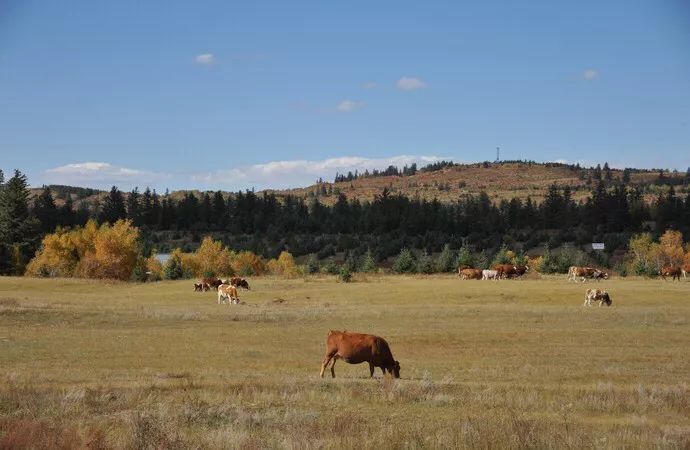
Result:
x=484 y=365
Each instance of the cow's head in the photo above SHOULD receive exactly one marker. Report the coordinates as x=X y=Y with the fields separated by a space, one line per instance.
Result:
x=607 y=299
x=396 y=369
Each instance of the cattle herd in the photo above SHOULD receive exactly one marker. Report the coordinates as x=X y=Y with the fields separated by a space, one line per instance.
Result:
x=227 y=289
x=356 y=348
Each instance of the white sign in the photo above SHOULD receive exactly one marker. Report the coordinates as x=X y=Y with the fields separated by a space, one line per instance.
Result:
x=597 y=245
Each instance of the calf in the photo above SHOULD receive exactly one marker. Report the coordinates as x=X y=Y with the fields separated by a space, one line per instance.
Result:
x=356 y=348
x=597 y=295
x=198 y=287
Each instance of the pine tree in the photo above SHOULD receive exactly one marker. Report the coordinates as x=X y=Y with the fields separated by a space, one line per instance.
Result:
x=626 y=175
x=45 y=210
x=446 y=260
x=607 y=172
x=133 y=207
x=19 y=232
x=424 y=264
x=113 y=208
x=405 y=262
x=368 y=263
x=465 y=259
x=597 y=173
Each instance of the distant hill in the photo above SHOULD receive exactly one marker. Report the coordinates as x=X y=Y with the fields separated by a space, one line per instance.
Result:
x=445 y=182
x=503 y=180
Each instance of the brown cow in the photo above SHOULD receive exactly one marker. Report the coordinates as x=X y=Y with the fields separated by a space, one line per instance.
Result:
x=521 y=270
x=504 y=270
x=470 y=274
x=575 y=272
x=239 y=282
x=356 y=348
x=198 y=287
x=228 y=292
x=211 y=282
x=673 y=272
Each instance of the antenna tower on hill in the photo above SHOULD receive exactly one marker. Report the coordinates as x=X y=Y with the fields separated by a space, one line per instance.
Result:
x=498 y=154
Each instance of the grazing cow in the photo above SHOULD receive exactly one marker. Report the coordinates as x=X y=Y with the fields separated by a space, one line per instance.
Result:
x=600 y=275
x=228 y=292
x=470 y=274
x=356 y=348
x=575 y=272
x=239 y=282
x=211 y=282
x=521 y=270
x=673 y=272
x=198 y=287
x=685 y=270
x=504 y=270
x=490 y=275
x=597 y=295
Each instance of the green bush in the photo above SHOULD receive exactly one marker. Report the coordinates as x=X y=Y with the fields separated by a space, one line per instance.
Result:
x=404 y=262
x=502 y=256
x=345 y=274
x=368 y=263
x=312 y=265
x=446 y=260
x=464 y=258
x=424 y=264
x=173 y=269
x=330 y=267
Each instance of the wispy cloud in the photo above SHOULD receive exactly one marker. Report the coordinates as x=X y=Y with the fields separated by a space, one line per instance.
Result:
x=205 y=59
x=368 y=85
x=349 y=105
x=410 y=84
x=590 y=74
x=102 y=174
x=296 y=173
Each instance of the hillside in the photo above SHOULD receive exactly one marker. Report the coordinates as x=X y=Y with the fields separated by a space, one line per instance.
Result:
x=499 y=180
x=504 y=180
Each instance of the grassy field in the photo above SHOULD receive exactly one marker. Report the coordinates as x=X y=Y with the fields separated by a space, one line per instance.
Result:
x=484 y=365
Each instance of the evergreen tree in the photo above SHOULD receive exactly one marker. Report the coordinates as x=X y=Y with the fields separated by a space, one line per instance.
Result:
x=113 y=208
x=597 y=173
x=405 y=262
x=368 y=263
x=465 y=258
x=626 y=175
x=45 y=210
x=446 y=260
x=312 y=265
x=133 y=207
x=424 y=264
x=607 y=172
x=19 y=232
x=66 y=215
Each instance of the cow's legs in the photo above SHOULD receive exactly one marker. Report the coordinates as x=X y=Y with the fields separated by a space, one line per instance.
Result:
x=335 y=358
x=325 y=362
x=371 y=370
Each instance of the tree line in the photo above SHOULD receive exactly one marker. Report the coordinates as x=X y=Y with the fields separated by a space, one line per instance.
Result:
x=267 y=225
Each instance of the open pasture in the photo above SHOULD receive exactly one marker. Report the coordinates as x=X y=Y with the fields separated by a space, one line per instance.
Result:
x=517 y=363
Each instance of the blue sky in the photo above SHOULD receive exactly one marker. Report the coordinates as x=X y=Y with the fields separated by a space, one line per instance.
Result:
x=229 y=95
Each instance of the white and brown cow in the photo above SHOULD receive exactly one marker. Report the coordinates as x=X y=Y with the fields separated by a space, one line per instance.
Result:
x=228 y=292
x=593 y=295
x=490 y=274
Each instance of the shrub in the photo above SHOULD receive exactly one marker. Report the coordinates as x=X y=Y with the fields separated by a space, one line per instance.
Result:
x=345 y=273
x=312 y=265
x=424 y=264
x=502 y=257
x=404 y=262
x=154 y=268
x=368 y=263
x=212 y=259
x=465 y=258
x=283 y=265
x=330 y=267
x=247 y=263
x=173 y=269
x=446 y=260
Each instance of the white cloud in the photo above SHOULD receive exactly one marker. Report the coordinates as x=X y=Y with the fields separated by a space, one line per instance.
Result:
x=590 y=74
x=296 y=173
x=369 y=85
x=205 y=59
x=349 y=106
x=101 y=174
x=410 y=84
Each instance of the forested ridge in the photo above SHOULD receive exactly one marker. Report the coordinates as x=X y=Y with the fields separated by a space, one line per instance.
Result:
x=267 y=224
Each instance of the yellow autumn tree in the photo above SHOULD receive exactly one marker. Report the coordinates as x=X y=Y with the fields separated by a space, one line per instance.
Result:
x=212 y=259
x=114 y=254
x=90 y=252
x=247 y=263
x=284 y=265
